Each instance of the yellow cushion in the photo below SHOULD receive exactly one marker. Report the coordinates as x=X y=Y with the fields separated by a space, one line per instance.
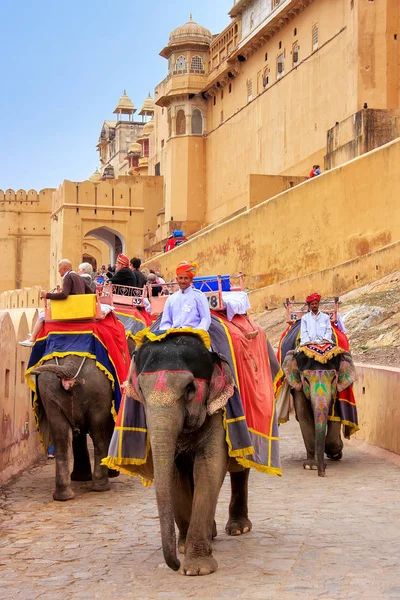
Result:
x=80 y=306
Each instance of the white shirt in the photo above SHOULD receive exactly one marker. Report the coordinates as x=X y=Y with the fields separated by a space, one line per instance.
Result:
x=315 y=328
x=186 y=309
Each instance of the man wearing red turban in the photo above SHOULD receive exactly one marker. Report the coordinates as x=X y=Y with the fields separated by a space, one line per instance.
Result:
x=187 y=307
x=315 y=325
x=123 y=275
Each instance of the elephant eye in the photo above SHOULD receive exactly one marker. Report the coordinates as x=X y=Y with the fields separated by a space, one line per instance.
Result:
x=190 y=389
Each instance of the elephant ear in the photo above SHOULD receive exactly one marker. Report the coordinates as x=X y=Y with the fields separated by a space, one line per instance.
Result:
x=292 y=371
x=347 y=372
x=222 y=385
x=132 y=388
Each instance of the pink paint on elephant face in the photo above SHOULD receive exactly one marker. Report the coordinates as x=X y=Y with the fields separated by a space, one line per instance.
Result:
x=161 y=382
x=200 y=390
x=218 y=381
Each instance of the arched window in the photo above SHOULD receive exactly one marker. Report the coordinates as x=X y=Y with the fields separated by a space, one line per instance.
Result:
x=197 y=64
x=180 y=122
x=197 y=122
x=180 y=64
x=251 y=20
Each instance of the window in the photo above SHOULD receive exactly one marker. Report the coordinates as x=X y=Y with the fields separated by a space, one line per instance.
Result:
x=230 y=88
x=296 y=53
x=197 y=122
x=315 y=37
x=266 y=56
x=145 y=146
x=295 y=31
x=215 y=100
x=249 y=90
x=162 y=143
x=280 y=45
x=251 y=20
x=222 y=94
x=169 y=123
x=197 y=64
x=280 y=65
x=157 y=169
x=180 y=64
x=180 y=122
x=266 y=77
x=222 y=116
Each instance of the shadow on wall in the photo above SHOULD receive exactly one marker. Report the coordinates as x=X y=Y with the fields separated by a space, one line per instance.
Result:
x=19 y=440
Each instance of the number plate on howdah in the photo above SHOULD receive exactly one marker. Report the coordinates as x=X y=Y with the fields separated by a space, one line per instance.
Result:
x=213 y=300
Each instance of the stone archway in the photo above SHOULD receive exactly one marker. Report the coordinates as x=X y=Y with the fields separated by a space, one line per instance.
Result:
x=112 y=238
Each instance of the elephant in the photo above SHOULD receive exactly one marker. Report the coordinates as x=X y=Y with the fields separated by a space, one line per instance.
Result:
x=70 y=406
x=183 y=387
x=315 y=387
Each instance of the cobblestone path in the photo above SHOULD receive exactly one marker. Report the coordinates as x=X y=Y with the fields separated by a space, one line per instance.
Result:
x=312 y=538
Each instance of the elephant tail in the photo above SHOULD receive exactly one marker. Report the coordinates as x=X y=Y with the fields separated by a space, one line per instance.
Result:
x=67 y=373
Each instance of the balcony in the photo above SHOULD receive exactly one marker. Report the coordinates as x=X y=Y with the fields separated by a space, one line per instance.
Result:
x=221 y=49
x=181 y=82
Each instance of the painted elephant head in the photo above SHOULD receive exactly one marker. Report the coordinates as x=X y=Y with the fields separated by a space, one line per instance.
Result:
x=179 y=383
x=320 y=385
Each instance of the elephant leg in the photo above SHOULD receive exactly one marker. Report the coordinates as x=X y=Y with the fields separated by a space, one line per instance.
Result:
x=62 y=440
x=238 y=521
x=305 y=417
x=333 y=441
x=208 y=473
x=61 y=435
x=82 y=470
x=101 y=432
x=182 y=500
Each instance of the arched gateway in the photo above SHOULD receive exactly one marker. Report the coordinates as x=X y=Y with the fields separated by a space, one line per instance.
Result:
x=101 y=219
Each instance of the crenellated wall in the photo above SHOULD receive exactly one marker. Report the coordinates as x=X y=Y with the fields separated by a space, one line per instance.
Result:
x=25 y=238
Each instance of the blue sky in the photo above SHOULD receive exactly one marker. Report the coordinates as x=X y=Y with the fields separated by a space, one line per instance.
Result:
x=64 y=66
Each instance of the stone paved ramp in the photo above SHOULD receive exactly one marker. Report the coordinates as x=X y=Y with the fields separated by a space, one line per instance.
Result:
x=313 y=538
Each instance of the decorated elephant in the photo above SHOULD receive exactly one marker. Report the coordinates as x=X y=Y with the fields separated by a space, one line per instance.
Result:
x=68 y=406
x=183 y=387
x=182 y=424
x=323 y=401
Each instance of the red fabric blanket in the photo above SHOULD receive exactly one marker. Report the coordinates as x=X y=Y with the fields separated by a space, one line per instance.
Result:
x=109 y=331
x=253 y=371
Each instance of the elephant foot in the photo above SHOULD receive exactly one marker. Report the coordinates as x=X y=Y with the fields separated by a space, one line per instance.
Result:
x=238 y=526
x=63 y=494
x=337 y=456
x=113 y=473
x=309 y=464
x=101 y=486
x=198 y=566
x=78 y=476
x=321 y=474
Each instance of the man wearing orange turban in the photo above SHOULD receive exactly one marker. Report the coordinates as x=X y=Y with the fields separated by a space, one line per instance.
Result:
x=315 y=325
x=187 y=307
x=123 y=275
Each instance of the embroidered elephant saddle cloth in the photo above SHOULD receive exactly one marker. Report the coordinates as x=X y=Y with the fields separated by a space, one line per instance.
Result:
x=103 y=340
x=249 y=416
x=322 y=353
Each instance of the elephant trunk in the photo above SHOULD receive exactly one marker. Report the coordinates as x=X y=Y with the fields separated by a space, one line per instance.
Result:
x=321 y=410
x=164 y=429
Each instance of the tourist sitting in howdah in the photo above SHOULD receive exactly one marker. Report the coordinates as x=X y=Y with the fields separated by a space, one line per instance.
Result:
x=72 y=284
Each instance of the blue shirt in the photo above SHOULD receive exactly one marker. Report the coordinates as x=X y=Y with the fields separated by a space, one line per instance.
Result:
x=315 y=328
x=186 y=309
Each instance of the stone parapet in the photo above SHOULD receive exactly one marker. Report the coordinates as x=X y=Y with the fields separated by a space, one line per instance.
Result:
x=376 y=391
x=19 y=442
